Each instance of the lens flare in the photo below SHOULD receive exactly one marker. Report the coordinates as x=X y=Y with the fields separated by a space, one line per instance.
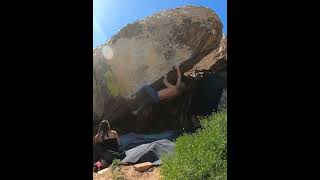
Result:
x=107 y=52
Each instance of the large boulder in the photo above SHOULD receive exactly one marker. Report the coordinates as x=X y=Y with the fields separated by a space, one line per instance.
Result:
x=142 y=52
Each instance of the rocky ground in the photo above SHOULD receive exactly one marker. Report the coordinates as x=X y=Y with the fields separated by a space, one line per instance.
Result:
x=128 y=173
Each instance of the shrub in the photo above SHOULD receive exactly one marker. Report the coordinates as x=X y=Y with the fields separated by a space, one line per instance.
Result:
x=115 y=164
x=202 y=155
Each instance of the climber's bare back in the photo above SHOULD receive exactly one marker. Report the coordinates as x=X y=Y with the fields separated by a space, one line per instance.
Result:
x=170 y=90
x=168 y=93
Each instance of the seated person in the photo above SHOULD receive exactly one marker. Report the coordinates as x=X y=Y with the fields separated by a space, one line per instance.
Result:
x=105 y=146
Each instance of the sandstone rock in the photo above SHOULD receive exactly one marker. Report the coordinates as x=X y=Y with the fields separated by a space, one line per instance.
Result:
x=106 y=170
x=142 y=166
x=142 y=52
x=212 y=62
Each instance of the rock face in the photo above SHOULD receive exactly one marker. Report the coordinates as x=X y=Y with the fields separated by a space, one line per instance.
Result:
x=142 y=52
x=213 y=62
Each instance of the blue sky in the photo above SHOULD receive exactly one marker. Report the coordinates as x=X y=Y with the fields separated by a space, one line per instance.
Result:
x=109 y=16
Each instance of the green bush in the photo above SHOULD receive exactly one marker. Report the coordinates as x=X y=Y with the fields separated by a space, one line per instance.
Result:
x=115 y=164
x=202 y=155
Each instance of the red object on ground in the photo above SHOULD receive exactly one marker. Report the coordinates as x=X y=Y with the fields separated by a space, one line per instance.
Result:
x=97 y=166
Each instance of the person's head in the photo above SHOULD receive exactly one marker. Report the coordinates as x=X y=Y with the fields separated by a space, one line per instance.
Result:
x=182 y=88
x=104 y=127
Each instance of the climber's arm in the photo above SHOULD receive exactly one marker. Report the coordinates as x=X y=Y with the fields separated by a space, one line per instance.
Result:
x=178 y=75
x=165 y=81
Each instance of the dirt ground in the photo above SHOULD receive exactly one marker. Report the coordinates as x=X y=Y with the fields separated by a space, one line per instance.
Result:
x=128 y=173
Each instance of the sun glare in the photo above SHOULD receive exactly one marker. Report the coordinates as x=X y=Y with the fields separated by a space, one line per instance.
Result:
x=107 y=52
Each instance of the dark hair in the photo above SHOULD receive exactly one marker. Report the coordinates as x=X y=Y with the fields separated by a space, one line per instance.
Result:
x=104 y=127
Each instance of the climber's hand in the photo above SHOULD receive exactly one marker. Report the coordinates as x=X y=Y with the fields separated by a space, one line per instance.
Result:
x=177 y=65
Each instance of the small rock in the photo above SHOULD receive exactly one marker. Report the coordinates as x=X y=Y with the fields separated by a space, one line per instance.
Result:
x=104 y=170
x=142 y=166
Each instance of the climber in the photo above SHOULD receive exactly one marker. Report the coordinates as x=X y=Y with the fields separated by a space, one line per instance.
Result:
x=151 y=96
